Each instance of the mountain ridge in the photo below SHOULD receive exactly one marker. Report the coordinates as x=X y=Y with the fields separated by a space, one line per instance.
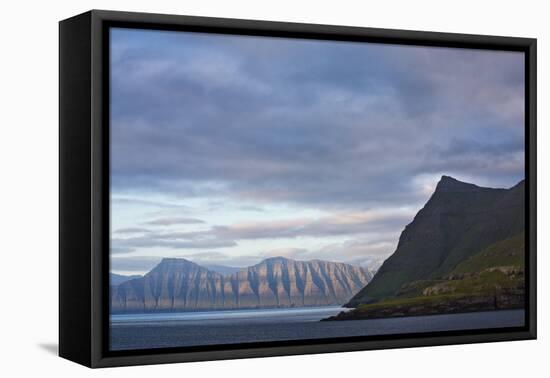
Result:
x=458 y=220
x=177 y=284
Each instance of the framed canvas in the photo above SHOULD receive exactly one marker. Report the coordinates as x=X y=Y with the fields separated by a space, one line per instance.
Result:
x=235 y=188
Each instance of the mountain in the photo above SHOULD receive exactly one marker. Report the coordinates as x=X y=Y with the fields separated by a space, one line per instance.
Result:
x=458 y=221
x=117 y=279
x=222 y=269
x=492 y=279
x=180 y=285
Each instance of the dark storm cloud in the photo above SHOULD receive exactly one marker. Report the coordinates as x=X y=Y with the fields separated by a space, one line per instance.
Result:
x=499 y=162
x=324 y=123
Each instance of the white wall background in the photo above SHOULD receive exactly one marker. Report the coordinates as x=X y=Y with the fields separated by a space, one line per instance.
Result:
x=29 y=186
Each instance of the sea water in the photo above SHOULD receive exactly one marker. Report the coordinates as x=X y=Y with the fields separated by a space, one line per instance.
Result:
x=145 y=331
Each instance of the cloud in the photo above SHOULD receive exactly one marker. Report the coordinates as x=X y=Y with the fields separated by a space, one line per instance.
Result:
x=169 y=221
x=116 y=250
x=228 y=116
x=132 y=230
x=368 y=253
x=339 y=224
x=161 y=240
x=357 y=131
x=134 y=264
x=348 y=223
x=131 y=201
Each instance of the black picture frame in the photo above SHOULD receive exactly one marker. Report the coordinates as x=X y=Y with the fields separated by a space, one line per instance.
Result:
x=84 y=186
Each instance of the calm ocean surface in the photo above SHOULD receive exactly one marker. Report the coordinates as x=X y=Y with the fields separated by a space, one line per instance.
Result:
x=139 y=331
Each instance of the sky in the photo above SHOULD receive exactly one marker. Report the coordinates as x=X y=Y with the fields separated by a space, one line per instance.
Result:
x=226 y=150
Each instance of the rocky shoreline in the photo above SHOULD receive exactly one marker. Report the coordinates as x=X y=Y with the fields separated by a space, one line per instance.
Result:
x=504 y=300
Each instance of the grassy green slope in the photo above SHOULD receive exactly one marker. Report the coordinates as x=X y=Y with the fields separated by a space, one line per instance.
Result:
x=490 y=279
x=509 y=252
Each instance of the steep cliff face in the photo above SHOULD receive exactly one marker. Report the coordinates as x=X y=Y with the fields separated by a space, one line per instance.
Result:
x=179 y=285
x=459 y=220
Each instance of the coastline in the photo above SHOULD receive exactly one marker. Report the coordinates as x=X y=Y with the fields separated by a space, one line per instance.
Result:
x=433 y=305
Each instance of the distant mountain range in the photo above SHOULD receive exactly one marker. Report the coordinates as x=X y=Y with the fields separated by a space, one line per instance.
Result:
x=224 y=270
x=117 y=279
x=464 y=251
x=177 y=284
